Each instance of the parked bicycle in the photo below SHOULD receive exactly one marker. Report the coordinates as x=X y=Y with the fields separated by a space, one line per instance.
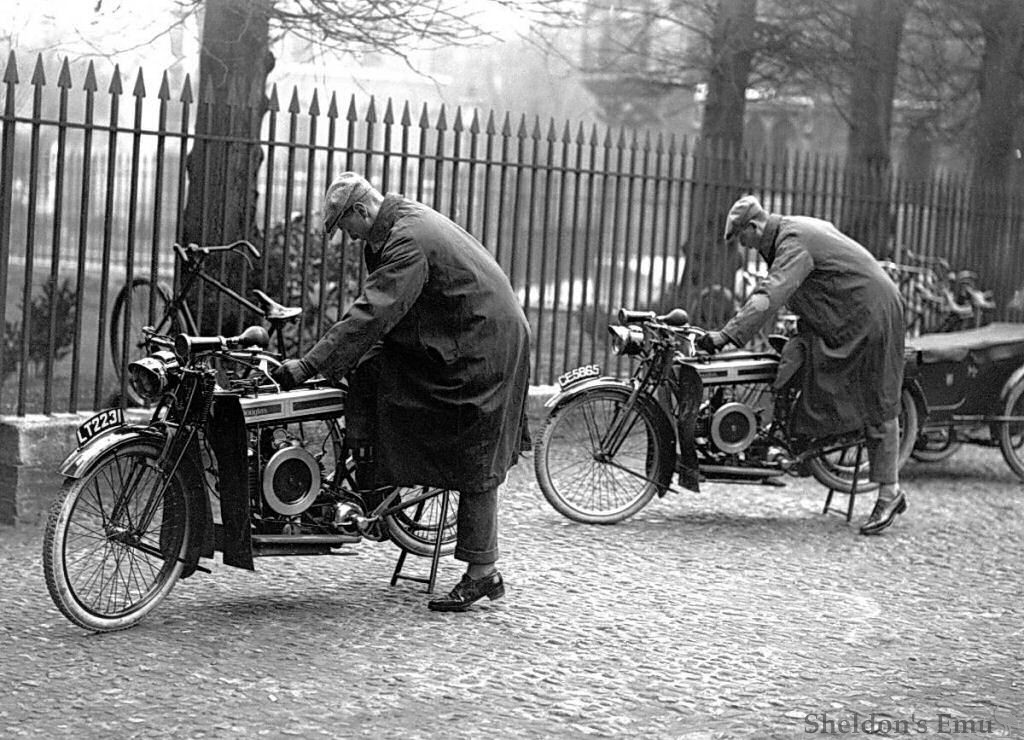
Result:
x=145 y=303
x=938 y=298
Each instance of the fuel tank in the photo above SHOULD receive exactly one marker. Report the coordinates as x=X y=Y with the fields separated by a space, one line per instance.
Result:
x=293 y=406
x=735 y=367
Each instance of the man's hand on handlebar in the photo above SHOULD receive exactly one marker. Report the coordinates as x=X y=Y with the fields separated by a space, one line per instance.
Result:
x=711 y=342
x=291 y=374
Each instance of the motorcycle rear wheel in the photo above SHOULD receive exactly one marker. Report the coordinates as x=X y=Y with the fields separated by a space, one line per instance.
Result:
x=116 y=539
x=414 y=529
x=835 y=470
x=570 y=470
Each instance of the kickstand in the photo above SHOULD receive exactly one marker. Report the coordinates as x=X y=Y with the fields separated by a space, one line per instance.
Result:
x=435 y=557
x=851 y=495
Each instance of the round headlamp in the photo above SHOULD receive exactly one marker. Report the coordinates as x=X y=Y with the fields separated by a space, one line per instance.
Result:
x=150 y=375
x=626 y=340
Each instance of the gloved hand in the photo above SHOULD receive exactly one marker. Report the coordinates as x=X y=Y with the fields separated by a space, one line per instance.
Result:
x=711 y=342
x=292 y=373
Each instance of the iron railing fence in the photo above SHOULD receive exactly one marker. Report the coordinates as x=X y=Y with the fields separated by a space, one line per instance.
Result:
x=93 y=190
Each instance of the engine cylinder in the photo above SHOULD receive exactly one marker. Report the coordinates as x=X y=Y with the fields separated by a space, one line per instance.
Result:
x=291 y=480
x=733 y=427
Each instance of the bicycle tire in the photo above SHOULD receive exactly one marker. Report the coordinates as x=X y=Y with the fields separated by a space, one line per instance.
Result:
x=583 y=487
x=107 y=566
x=138 y=293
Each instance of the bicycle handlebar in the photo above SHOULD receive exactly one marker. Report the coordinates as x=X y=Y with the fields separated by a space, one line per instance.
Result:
x=249 y=250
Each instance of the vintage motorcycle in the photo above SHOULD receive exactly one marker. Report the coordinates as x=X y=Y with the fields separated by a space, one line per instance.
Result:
x=608 y=446
x=227 y=462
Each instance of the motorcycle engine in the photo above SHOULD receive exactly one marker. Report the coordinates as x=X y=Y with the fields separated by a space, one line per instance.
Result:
x=294 y=442
x=727 y=423
x=291 y=478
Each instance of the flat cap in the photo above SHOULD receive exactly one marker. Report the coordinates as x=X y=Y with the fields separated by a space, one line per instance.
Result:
x=742 y=212
x=342 y=194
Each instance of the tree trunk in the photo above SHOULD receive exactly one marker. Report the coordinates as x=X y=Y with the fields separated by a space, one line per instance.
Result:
x=222 y=173
x=1000 y=107
x=732 y=55
x=718 y=161
x=876 y=33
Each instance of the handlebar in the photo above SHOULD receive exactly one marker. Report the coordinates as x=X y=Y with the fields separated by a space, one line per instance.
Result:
x=639 y=331
x=248 y=250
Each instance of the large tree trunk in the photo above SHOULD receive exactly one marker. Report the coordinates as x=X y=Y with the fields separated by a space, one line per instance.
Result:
x=234 y=63
x=718 y=161
x=732 y=55
x=1001 y=105
x=875 y=36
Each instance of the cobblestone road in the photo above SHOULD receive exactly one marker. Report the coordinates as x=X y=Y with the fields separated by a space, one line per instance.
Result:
x=739 y=612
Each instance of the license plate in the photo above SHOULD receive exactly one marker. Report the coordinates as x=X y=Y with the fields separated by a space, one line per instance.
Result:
x=577 y=374
x=99 y=423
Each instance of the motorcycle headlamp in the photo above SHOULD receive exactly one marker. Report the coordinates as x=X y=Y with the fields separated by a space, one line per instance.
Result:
x=626 y=340
x=150 y=375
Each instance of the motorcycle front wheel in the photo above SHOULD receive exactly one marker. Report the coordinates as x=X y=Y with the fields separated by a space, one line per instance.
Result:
x=592 y=485
x=115 y=539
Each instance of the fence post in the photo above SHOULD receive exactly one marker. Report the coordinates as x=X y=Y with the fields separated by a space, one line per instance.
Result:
x=6 y=198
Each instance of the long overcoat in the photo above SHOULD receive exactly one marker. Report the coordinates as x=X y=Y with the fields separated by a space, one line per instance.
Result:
x=454 y=351
x=851 y=323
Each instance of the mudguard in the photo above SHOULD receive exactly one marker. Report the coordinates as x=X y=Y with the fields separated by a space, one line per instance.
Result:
x=661 y=420
x=912 y=386
x=84 y=458
x=81 y=459
x=228 y=440
x=688 y=390
x=577 y=389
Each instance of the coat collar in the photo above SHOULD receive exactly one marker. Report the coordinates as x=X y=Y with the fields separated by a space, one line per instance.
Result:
x=767 y=244
x=386 y=217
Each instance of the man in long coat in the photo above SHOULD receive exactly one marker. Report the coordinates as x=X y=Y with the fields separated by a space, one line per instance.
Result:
x=851 y=331
x=442 y=348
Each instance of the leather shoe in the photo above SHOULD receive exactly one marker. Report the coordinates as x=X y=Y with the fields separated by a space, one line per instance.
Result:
x=884 y=514
x=467 y=591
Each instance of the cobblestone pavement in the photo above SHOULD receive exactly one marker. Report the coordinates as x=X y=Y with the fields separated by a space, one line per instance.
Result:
x=738 y=612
